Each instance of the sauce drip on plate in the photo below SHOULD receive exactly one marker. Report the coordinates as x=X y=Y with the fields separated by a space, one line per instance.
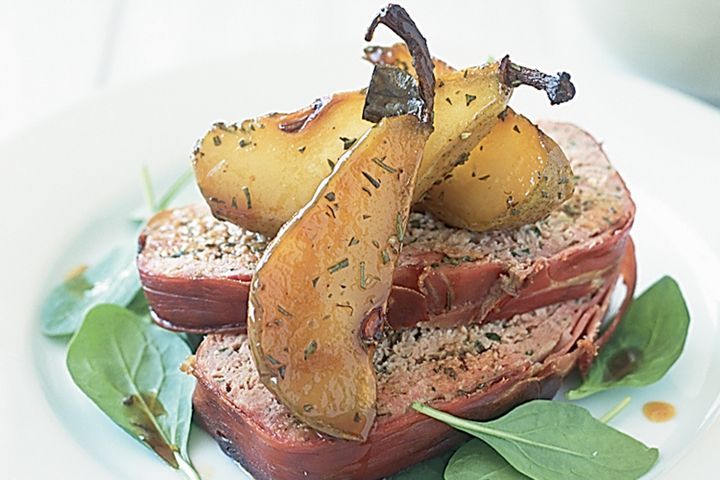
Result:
x=659 y=412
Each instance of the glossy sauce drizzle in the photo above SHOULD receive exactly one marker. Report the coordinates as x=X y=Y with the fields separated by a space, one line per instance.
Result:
x=659 y=411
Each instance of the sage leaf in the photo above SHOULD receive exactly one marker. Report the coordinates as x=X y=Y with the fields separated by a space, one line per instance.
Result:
x=431 y=469
x=130 y=368
x=475 y=460
x=645 y=345
x=113 y=280
x=546 y=440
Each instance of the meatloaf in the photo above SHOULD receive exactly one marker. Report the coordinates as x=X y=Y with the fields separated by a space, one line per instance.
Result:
x=196 y=270
x=475 y=371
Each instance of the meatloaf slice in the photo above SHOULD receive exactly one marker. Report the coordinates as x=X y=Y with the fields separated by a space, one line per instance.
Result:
x=196 y=270
x=477 y=371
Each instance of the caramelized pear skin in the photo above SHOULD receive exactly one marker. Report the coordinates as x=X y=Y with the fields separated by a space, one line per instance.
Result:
x=330 y=270
x=259 y=173
x=517 y=175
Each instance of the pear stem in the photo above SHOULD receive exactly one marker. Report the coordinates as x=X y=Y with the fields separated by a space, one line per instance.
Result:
x=558 y=87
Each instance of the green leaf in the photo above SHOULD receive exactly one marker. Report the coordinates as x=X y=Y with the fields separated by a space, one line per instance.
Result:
x=645 y=345
x=130 y=368
x=174 y=190
x=431 y=469
x=138 y=305
x=148 y=189
x=475 y=460
x=546 y=440
x=113 y=280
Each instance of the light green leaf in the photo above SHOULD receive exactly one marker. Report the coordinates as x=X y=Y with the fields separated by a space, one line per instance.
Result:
x=130 y=368
x=113 y=280
x=148 y=189
x=174 y=190
x=645 y=345
x=475 y=460
x=138 y=305
x=547 y=440
x=431 y=469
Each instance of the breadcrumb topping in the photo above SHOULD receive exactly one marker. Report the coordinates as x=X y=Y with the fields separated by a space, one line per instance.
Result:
x=190 y=238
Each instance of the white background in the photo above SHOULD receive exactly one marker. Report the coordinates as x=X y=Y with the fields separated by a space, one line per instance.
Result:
x=55 y=53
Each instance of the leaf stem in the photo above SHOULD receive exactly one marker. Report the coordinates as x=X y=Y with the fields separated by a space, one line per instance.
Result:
x=148 y=189
x=187 y=468
x=145 y=408
x=477 y=429
x=615 y=410
x=174 y=190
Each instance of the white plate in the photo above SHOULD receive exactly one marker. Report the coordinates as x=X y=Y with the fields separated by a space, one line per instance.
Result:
x=70 y=180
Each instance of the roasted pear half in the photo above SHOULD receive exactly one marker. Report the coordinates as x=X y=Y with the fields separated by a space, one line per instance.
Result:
x=259 y=173
x=516 y=175
x=329 y=270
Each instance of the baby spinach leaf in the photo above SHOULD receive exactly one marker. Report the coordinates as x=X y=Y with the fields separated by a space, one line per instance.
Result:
x=645 y=345
x=431 y=469
x=113 y=280
x=138 y=305
x=130 y=368
x=546 y=440
x=475 y=460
